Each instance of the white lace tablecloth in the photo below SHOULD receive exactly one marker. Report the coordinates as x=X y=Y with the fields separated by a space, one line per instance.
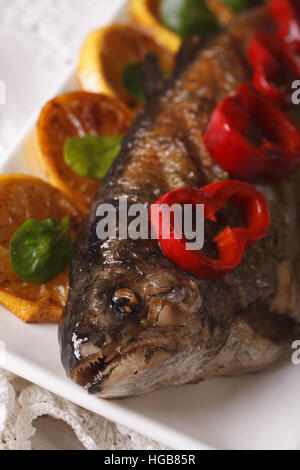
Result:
x=26 y=422
x=39 y=45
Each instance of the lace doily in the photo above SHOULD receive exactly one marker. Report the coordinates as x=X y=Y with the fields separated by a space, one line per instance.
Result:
x=21 y=403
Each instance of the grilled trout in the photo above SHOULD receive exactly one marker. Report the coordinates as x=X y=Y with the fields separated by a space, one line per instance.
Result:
x=134 y=322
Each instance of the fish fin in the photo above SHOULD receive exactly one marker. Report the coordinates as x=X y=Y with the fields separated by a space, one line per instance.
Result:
x=153 y=79
x=188 y=53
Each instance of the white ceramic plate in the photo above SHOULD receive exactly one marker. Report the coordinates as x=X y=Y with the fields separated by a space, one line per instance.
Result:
x=254 y=412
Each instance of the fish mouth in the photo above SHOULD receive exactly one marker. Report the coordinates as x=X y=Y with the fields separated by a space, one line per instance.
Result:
x=99 y=373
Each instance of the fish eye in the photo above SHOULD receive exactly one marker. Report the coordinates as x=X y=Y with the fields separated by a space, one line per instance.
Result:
x=125 y=302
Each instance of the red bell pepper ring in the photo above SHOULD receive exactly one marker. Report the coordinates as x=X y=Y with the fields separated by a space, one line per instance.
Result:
x=287 y=15
x=278 y=154
x=271 y=58
x=231 y=243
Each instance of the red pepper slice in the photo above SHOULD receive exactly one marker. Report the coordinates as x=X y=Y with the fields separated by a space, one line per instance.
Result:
x=287 y=15
x=231 y=243
x=275 y=157
x=271 y=58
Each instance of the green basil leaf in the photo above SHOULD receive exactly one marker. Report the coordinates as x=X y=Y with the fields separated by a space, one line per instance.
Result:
x=131 y=77
x=40 y=251
x=92 y=156
x=188 y=17
x=238 y=5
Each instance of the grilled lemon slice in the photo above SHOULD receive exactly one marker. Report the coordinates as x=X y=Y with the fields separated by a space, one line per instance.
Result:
x=23 y=198
x=146 y=14
x=105 y=54
x=75 y=115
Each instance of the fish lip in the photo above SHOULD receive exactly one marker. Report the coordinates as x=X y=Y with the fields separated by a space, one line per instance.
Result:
x=97 y=387
x=169 y=345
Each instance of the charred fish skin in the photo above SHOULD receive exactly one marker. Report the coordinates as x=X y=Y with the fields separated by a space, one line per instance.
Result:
x=133 y=321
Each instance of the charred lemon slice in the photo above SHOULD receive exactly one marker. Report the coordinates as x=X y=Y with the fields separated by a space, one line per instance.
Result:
x=76 y=115
x=23 y=198
x=146 y=14
x=106 y=53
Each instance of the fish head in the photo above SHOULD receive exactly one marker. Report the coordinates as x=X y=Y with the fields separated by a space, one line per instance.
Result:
x=128 y=319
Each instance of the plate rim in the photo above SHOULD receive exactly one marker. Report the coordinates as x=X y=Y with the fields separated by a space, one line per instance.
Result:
x=33 y=373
